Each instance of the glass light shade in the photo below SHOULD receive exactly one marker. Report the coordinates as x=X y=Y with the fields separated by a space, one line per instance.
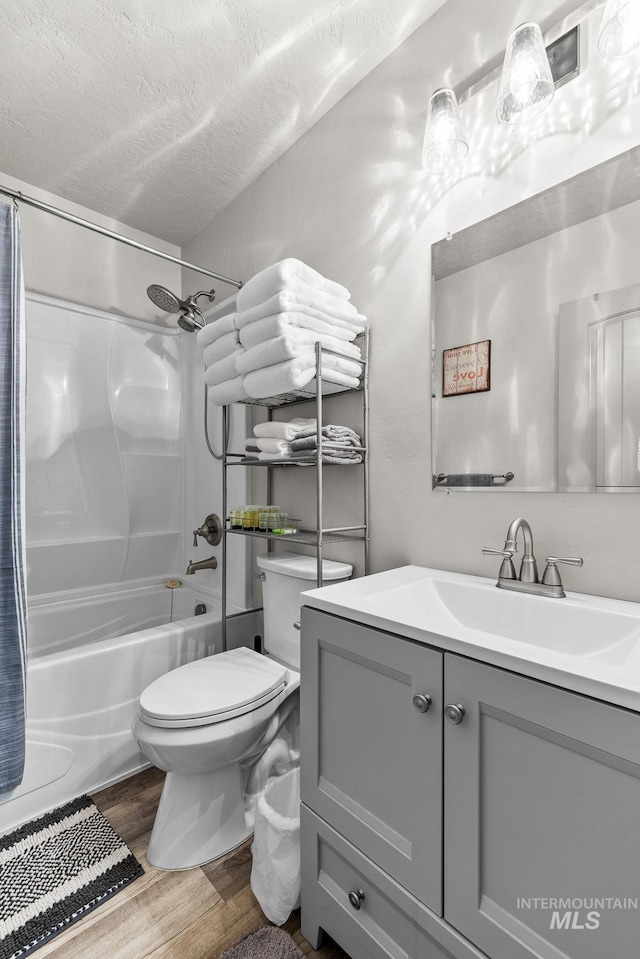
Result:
x=445 y=144
x=620 y=30
x=526 y=84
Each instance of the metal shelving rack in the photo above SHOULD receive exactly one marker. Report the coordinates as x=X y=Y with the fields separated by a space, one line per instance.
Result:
x=318 y=390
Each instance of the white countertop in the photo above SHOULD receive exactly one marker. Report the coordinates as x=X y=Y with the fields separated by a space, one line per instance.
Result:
x=588 y=644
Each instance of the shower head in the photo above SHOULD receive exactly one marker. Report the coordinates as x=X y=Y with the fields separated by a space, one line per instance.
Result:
x=164 y=298
x=188 y=322
x=191 y=318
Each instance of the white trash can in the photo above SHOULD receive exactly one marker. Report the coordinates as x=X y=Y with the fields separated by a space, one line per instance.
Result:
x=275 y=872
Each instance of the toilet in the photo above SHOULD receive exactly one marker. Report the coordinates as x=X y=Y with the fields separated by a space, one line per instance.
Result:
x=199 y=722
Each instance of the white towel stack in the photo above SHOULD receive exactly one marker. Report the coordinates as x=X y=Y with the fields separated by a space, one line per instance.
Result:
x=268 y=346
x=273 y=440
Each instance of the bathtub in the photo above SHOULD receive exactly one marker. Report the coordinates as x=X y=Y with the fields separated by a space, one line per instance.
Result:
x=90 y=657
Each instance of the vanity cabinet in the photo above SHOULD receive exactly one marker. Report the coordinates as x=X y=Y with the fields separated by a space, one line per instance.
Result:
x=513 y=833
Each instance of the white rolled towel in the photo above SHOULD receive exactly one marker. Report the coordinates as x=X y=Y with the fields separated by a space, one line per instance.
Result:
x=221 y=348
x=223 y=370
x=230 y=391
x=279 y=276
x=269 y=327
x=281 y=430
x=283 y=348
x=297 y=373
x=217 y=328
x=300 y=295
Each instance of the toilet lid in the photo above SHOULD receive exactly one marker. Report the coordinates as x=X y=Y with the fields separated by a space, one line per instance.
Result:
x=212 y=689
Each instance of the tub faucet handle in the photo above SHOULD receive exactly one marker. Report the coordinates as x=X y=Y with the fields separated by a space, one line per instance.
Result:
x=211 y=530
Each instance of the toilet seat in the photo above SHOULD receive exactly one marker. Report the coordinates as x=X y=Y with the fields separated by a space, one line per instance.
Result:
x=212 y=689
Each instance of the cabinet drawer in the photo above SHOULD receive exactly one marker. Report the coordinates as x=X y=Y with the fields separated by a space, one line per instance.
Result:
x=384 y=925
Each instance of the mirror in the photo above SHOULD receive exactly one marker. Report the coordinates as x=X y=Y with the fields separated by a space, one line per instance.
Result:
x=536 y=341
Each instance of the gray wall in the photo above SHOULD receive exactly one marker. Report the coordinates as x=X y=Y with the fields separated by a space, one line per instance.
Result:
x=351 y=199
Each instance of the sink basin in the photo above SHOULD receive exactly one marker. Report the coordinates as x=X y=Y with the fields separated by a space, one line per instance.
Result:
x=564 y=625
x=468 y=607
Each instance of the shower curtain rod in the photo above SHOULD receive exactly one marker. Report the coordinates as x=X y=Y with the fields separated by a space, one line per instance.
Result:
x=16 y=195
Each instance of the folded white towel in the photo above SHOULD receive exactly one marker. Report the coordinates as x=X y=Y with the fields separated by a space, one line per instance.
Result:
x=231 y=391
x=269 y=444
x=223 y=369
x=283 y=430
x=269 y=327
x=299 y=296
x=279 y=276
x=282 y=348
x=288 y=302
x=222 y=347
x=217 y=328
x=297 y=373
x=270 y=456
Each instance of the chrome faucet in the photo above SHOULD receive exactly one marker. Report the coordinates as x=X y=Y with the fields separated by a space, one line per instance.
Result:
x=528 y=567
x=527 y=580
x=210 y=563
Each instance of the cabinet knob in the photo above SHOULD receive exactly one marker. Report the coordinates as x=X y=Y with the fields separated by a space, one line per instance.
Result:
x=422 y=702
x=454 y=713
x=355 y=897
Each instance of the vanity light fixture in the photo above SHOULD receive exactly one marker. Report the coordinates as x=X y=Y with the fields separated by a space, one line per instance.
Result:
x=445 y=143
x=526 y=83
x=528 y=80
x=620 y=30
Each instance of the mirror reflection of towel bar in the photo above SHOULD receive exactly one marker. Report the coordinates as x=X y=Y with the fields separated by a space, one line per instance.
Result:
x=442 y=478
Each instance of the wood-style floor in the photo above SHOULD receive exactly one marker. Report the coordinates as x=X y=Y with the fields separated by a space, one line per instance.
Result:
x=193 y=914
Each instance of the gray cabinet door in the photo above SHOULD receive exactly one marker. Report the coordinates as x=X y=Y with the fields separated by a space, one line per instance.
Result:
x=371 y=761
x=542 y=818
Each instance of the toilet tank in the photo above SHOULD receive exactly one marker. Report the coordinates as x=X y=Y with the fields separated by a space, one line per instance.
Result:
x=286 y=576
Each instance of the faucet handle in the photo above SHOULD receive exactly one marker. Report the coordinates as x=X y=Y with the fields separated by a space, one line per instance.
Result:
x=551 y=575
x=507 y=569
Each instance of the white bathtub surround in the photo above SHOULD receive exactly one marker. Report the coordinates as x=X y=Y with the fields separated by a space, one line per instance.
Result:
x=104 y=447
x=81 y=700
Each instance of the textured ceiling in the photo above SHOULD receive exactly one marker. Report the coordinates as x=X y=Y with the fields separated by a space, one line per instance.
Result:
x=159 y=112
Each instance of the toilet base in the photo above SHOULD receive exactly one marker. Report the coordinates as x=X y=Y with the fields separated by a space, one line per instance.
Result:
x=199 y=818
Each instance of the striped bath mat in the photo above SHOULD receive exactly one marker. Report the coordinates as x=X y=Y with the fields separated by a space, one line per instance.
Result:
x=56 y=869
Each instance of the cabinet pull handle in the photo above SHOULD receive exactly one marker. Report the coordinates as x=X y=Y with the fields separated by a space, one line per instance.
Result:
x=454 y=713
x=422 y=702
x=297 y=626
x=355 y=897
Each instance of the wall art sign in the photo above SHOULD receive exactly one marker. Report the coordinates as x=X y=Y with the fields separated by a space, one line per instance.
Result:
x=466 y=369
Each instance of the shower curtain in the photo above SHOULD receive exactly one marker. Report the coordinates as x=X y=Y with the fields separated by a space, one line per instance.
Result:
x=12 y=567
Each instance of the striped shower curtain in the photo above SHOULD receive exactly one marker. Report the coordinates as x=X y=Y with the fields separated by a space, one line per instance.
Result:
x=12 y=584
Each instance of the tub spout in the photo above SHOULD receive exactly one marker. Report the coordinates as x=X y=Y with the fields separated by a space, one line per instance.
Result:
x=210 y=563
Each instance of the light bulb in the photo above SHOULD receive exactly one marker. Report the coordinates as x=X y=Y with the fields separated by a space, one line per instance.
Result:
x=445 y=144
x=526 y=83
x=620 y=30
